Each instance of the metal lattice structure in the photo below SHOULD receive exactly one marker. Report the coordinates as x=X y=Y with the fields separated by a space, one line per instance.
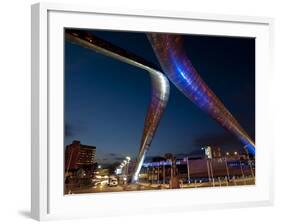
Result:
x=177 y=67
x=160 y=85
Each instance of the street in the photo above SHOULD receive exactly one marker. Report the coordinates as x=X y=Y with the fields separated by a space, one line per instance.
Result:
x=147 y=186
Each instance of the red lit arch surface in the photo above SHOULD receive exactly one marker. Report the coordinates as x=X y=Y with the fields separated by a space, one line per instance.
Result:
x=177 y=67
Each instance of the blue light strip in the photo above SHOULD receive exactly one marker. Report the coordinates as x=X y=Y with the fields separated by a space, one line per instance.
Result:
x=177 y=67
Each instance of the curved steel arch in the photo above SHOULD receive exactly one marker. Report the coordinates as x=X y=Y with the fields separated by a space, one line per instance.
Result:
x=160 y=85
x=170 y=53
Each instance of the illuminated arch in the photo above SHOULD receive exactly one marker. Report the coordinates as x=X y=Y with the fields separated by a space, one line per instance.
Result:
x=171 y=54
x=160 y=85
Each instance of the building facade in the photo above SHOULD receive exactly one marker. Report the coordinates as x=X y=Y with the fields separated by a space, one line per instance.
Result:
x=79 y=157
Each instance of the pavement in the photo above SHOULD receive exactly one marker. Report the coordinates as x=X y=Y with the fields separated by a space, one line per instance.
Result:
x=155 y=186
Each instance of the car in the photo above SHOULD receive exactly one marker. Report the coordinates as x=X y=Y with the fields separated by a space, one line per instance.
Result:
x=112 y=181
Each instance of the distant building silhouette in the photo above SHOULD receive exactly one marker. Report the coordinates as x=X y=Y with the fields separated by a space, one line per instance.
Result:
x=208 y=152
x=169 y=156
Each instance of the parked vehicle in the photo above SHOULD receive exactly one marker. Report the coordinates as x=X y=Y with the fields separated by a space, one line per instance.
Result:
x=113 y=181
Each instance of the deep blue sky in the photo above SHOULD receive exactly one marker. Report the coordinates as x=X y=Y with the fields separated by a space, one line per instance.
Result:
x=106 y=100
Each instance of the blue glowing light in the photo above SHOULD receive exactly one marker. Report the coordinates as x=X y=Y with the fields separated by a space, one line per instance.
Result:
x=182 y=74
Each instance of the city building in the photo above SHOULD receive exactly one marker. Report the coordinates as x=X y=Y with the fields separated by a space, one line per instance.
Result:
x=169 y=156
x=236 y=155
x=197 y=168
x=216 y=151
x=78 y=156
x=208 y=152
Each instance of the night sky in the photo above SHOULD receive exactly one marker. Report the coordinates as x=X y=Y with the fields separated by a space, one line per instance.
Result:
x=106 y=100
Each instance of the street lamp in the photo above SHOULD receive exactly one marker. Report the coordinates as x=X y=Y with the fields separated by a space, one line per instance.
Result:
x=128 y=158
x=188 y=171
x=125 y=164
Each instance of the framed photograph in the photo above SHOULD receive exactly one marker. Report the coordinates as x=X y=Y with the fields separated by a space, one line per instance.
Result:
x=148 y=111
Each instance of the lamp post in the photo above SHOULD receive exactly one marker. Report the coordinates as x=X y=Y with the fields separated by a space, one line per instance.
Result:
x=249 y=162
x=188 y=171
x=158 y=173
x=163 y=172
x=212 y=171
x=208 y=170
x=227 y=170
x=242 y=173
x=171 y=169
x=121 y=167
x=125 y=166
x=128 y=159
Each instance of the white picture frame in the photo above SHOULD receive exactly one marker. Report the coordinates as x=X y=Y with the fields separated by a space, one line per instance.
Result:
x=48 y=201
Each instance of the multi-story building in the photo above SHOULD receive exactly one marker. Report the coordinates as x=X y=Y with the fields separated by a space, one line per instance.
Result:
x=208 y=152
x=198 y=168
x=235 y=155
x=216 y=152
x=78 y=156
